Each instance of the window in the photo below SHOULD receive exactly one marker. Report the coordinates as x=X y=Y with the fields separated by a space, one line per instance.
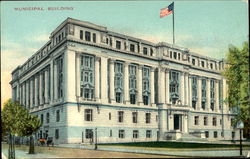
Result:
x=109 y=116
x=57 y=115
x=151 y=52
x=145 y=51
x=110 y=41
x=110 y=133
x=94 y=37
x=222 y=134
x=132 y=99
x=179 y=56
x=42 y=119
x=120 y=116
x=132 y=47
x=156 y=118
x=212 y=105
x=88 y=114
x=47 y=118
x=214 y=121
x=121 y=133
x=125 y=46
x=215 y=134
x=207 y=134
x=89 y=133
x=87 y=36
x=118 y=82
x=205 y=120
x=171 y=54
x=203 y=105
x=118 y=97
x=148 y=117
x=193 y=61
x=145 y=85
x=57 y=133
x=211 y=65
x=135 y=134
x=194 y=104
x=118 y=44
x=194 y=91
x=175 y=55
x=59 y=65
x=196 y=120
x=174 y=86
x=202 y=64
x=87 y=77
x=148 y=133
x=134 y=116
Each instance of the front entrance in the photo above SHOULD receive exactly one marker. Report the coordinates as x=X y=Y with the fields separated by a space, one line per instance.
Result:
x=177 y=122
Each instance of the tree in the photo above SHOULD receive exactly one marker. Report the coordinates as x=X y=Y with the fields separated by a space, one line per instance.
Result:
x=237 y=75
x=16 y=120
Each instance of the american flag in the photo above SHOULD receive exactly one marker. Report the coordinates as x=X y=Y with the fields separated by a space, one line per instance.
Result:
x=166 y=11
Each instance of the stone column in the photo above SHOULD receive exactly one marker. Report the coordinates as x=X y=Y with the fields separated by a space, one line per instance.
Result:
x=126 y=83
x=97 y=78
x=31 y=93
x=162 y=123
x=36 y=93
x=111 y=79
x=139 y=84
x=186 y=89
x=217 y=100
x=161 y=85
x=182 y=88
x=41 y=87
x=27 y=94
x=51 y=81
x=46 y=87
x=199 y=93
x=24 y=101
x=55 y=81
x=208 y=96
x=104 y=79
x=69 y=82
x=167 y=86
x=152 y=87
x=77 y=75
x=190 y=91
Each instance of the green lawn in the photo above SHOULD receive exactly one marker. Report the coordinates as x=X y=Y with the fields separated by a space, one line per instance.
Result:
x=176 y=145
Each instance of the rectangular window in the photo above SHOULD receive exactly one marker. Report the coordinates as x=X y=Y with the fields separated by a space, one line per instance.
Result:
x=57 y=115
x=194 y=104
x=109 y=116
x=207 y=134
x=212 y=106
x=148 y=133
x=121 y=133
x=145 y=100
x=132 y=47
x=148 y=117
x=205 y=120
x=135 y=134
x=59 y=65
x=47 y=118
x=118 y=97
x=196 y=120
x=211 y=65
x=145 y=51
x=88 y=114
x=110 y=133
x=203 y=105
x=151 y=52
x=89 y=133
x=134 y=116
x=132 y=99
x=179 y=56
x=175 y=55
x=118 y=45
x=193 y=61
x=171 y=54
x=202 y=64
x=87 y=36
x=215 y=134
x=94 y=37
x=120 y=116
x=42 y=119
x=81 y=34
x=57 y=133
x=214 y=121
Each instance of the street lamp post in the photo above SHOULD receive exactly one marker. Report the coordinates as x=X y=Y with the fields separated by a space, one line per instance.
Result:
x=240 y=125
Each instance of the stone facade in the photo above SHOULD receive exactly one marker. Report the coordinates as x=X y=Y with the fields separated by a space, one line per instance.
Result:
x=87 y=80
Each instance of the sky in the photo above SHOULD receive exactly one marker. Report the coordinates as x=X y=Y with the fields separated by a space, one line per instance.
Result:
x=204 y=27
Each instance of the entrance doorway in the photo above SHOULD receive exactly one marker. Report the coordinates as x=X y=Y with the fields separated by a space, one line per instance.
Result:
x=177 y=122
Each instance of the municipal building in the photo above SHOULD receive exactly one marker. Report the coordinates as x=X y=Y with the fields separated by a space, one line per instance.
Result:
x=88 y=81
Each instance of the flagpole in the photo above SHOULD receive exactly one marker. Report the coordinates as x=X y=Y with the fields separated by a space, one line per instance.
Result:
x=173 y=24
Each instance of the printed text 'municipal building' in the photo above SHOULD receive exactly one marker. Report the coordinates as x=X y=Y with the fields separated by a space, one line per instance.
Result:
x=128 y=89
